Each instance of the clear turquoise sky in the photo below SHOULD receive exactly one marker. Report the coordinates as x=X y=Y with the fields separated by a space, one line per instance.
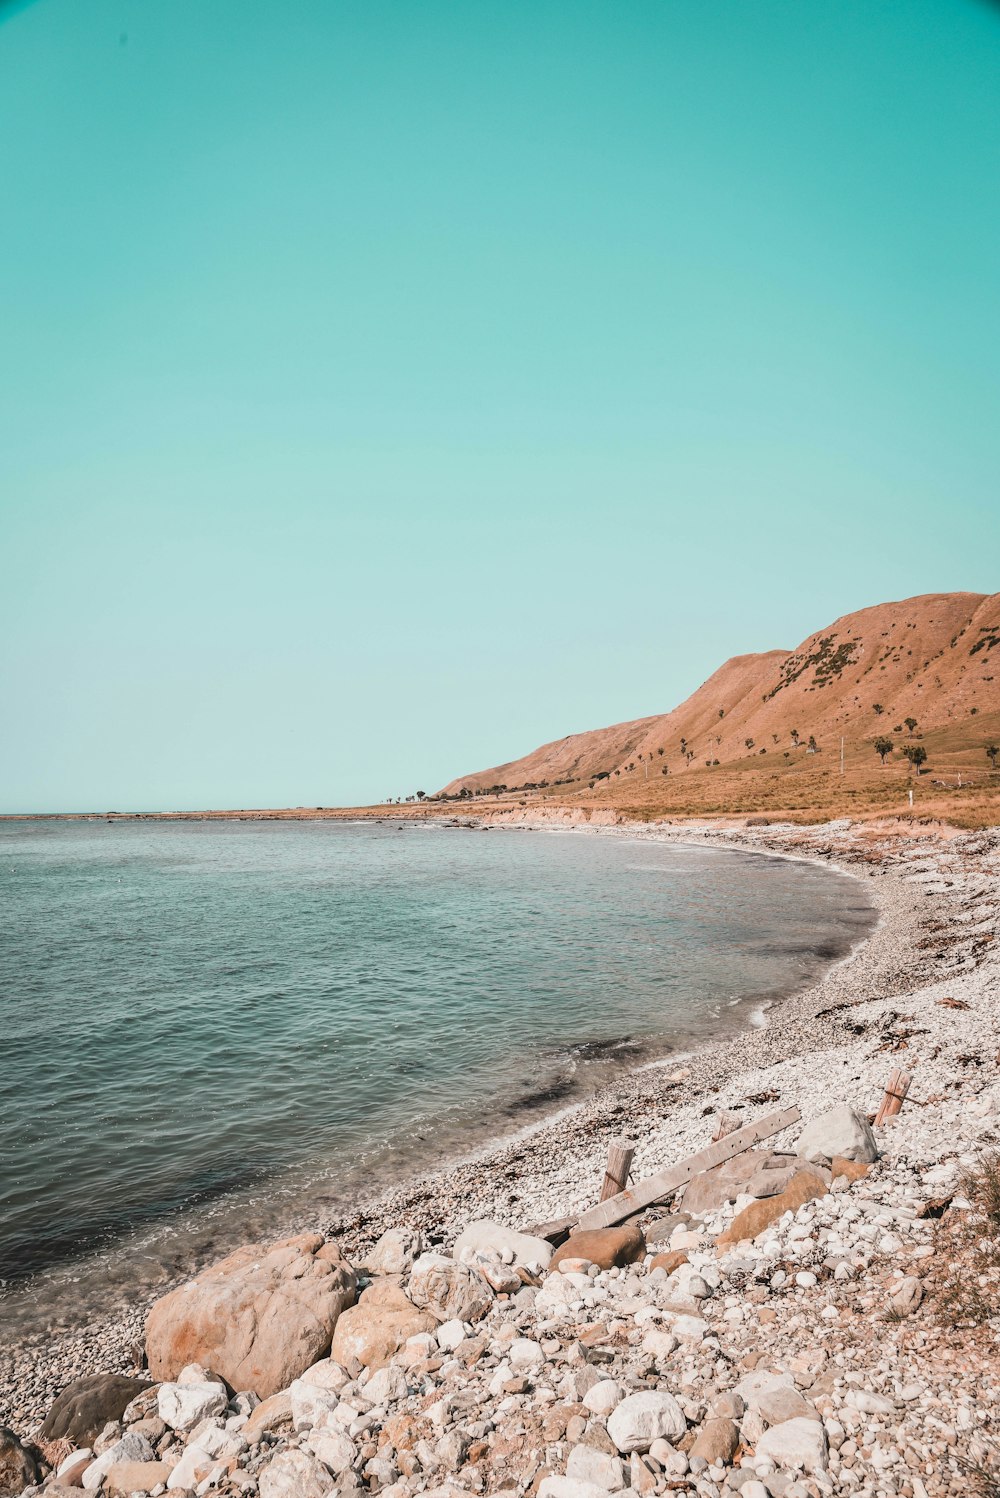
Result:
x=387 y=388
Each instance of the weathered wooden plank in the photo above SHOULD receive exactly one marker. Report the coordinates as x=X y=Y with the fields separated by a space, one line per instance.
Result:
x=616 y=1208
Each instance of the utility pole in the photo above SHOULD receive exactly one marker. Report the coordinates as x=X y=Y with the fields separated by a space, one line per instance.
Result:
x=841 y=754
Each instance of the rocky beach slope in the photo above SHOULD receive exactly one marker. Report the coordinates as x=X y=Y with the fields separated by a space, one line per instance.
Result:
x=814 y=1318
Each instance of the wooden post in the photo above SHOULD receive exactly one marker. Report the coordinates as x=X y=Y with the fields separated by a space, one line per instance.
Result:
x=620 y=1152
x=896 y=1089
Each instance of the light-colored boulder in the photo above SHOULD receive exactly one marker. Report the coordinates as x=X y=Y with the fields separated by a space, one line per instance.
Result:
x=195 y=1466
x=799 y=1443
x=448 y=1289
x=295 y=1474
x=524 y=1354
x=840 y=1132
x=386 y=1384
x=492 y=1239
x=269 y=1415
x=643 y=1418
x=334 y=1448
x=376 y=1328
x=587 y=1464
x=311 y=1404
x=182 y=1406
x=131 y=1448
x=602 y=1397
x=569 y=1487
x=259 y=1317
x=450 y=1334
x=395 y=1251
x=775 y=1406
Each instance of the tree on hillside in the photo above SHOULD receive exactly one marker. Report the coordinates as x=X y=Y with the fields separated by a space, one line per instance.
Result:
x=879 y=709
x=883 y=748
x=812 y=746
x=659 y=751
x=795 y=737
x=749 y=743
x=916 y=754
x=421 y=795
x=991 y=754
x=911 y=723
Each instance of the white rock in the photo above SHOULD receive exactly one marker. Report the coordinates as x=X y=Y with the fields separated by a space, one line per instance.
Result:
x=839 y=1132
x=131 y=1448
x=689 y=1328
x=492 y=1238
x=658 y=1343
x=643 y=1418
x=870 y=1403
x=182 y=1406
x=798 y=1443
x=386 y=1384
x=311 y=1403
x=194 y=1467
x=603 y=1397
x=395 y=1251
x=591 y=1466
x=523 y=1354
x=294 y=1474
x=566 y=1487
x=449 y=1335
x=334 y=1448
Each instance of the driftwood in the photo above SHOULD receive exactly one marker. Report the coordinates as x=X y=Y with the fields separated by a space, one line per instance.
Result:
x=664 y=1182
x=620 y=1152
x=896 y=1089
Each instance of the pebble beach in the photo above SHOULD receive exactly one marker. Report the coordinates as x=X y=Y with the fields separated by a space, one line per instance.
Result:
x=835 y=1299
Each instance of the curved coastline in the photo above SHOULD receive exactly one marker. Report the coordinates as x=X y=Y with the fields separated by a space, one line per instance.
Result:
x=546 y=1166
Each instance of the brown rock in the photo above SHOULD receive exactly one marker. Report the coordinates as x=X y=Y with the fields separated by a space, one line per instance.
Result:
x=716 y=1441
x=18 y=1468
x=854 y=1170
x=753 y=1220
x=669 y=1261
x=87 y=1405
x=377 y=1326
x=259 y=1318
x=135 y=1477
x=605 y=1247
x=775 y=1406
x=710 y=1189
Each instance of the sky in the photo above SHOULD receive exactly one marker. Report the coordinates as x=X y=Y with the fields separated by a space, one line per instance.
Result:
x=387 y=388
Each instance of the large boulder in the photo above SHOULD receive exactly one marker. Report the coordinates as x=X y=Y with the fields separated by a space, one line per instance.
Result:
x=487 y=1239
x=799 y=1443
x=295 y=1474
x=376 y=1328
x=395 y=1251
x=710 y=1189
x=753 y=1220
x=87 y=1405
x=644 y=1418
x=259 y=1318
x=840 y=1132
x=605 y=1247
x=18 y=1468
x=448 y=1290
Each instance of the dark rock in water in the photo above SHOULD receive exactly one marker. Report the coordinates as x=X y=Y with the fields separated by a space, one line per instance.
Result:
x=88 y=1404
x=18 y=1468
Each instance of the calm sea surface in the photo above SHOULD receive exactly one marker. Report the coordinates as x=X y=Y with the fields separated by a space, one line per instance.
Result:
x=212 y=1029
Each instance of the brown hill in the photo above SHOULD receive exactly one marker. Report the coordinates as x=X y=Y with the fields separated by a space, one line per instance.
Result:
x=934 y=659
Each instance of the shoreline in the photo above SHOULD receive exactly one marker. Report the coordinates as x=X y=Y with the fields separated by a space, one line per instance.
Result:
x=551 y=1166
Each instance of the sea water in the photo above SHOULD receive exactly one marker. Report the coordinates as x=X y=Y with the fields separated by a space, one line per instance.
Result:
x=206 y=1025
